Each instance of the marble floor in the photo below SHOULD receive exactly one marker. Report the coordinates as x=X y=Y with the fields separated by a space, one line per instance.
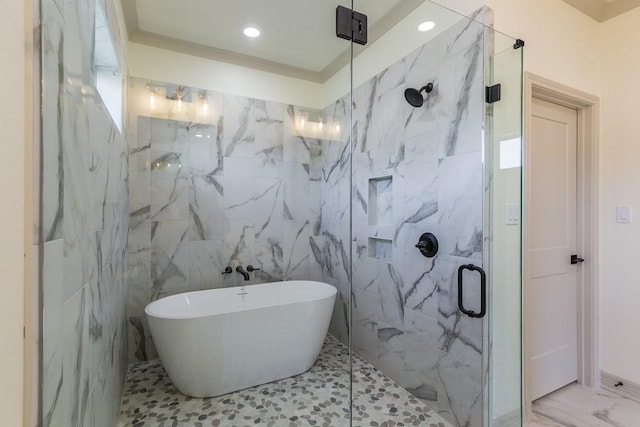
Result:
x=579 y=406
x=318 y=397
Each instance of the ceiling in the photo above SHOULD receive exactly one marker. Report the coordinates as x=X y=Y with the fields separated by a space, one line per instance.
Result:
x=298 y=37
x=602 y=10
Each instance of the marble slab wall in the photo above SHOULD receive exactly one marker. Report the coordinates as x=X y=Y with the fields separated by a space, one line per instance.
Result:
x=218 y=180
x=84 y=227
x=415 y=170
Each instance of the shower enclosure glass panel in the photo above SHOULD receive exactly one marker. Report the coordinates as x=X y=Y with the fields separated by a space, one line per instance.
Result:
x=422 y=167
x=242 y=164
x=503 y=201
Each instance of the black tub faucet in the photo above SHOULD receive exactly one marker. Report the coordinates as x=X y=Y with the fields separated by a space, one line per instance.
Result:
x=242 y=271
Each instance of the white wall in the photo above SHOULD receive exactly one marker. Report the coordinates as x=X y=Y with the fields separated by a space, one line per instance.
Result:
x=12 y=208
x=567 y=46
x=562 y=44
x=619 y=183
x=173 y=67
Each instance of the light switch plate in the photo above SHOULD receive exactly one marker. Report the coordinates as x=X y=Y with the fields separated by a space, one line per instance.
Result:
x=512 y=215
x=623 y=214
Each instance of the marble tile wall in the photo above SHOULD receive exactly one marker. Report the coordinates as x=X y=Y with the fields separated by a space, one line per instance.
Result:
x=218 y=180
x=415 y=170
x=84 y=228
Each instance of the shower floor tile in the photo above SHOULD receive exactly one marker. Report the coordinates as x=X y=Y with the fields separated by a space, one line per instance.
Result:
x=318 y=397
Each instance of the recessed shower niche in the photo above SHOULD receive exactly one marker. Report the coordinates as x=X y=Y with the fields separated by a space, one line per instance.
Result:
x=380 y=212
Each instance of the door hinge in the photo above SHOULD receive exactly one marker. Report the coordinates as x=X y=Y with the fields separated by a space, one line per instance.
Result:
x=493 y=93
x=351 y=25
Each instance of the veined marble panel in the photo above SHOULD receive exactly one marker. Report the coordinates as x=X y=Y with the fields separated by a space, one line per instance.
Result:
x=239 y=183
x=269 y=134
x=52 y=92
x=75 y=385
x=206 y=207
x=365 y=327
x=239 y=127
x=296 y=249
x=77 y=52
x=75 y=221
x=53 y=327
x=169 y=186
x=85 y=226
x=140 y=144
x=269 y=228
x=169 y=255
x=205 y=154
x=460 y=205
x=206 y=263
x=462 y=99
x=296 y=191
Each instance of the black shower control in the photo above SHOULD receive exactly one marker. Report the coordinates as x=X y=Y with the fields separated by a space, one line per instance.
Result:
x=227 y=270
x=251 y=268
x=428 y=245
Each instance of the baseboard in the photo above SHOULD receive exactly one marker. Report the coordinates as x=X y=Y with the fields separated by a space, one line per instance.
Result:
x=628 y=389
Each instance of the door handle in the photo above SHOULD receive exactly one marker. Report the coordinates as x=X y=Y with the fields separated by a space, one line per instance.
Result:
x=483 y=291
x=575 y=259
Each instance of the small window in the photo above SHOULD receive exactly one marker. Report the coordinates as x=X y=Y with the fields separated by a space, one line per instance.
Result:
x=510 y=153
x=107 y=69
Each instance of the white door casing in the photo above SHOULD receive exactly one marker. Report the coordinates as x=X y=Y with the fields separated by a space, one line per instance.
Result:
x=552 y=280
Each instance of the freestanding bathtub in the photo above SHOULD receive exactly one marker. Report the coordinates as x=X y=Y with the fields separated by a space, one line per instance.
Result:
x=221 y=340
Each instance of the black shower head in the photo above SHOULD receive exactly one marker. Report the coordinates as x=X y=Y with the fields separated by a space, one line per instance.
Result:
x=414 y=96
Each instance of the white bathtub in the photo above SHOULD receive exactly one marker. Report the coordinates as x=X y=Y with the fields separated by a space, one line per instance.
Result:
x=217 y=341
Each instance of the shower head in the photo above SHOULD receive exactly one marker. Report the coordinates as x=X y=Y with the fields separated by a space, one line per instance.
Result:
x=414 y=96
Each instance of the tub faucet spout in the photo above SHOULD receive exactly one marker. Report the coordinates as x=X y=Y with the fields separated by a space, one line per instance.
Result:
x=242 y=271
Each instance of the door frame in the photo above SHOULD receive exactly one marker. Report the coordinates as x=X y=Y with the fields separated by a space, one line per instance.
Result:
x=588 y=108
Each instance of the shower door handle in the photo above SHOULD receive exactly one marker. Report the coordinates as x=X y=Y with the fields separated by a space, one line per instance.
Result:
x=483 y=291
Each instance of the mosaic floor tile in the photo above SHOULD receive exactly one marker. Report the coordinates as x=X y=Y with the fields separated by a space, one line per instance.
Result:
x=318 y=397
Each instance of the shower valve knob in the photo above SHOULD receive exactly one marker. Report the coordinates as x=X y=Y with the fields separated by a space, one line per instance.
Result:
x=227 y=270
x=251 y=268
x=428 y=245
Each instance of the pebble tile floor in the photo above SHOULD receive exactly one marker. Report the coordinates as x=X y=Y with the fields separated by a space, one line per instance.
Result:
x=318 y=397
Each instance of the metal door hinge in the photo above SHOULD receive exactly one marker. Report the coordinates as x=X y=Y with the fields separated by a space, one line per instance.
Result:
x=351 y=25
x=493 y=93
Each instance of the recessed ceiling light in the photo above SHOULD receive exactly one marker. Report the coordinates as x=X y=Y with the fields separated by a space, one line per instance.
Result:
x=426 y=26
x=252 y=32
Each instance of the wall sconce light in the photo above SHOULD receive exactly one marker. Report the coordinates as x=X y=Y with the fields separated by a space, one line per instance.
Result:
x=153 y=93
x=205 y=102
x=179 y=94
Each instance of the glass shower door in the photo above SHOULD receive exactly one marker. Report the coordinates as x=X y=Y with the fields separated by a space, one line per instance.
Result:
x=423 y=352
x=418 y=173
x=503 y=202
